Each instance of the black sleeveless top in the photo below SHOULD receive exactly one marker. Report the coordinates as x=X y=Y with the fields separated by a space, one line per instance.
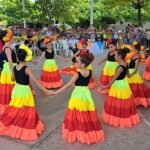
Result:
x=21 y=77
x=123 y=73
x=13 y=55
x=49 y=55
x=111 y=57
x=132 y=63
x=83 y=81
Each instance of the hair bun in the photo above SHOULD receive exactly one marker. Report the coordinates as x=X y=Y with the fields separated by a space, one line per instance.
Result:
x=128 y=50
x=8 y=36
x=90 y=56
x=87 y=58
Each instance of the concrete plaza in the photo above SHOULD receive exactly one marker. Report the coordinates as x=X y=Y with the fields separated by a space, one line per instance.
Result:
x=52 y=110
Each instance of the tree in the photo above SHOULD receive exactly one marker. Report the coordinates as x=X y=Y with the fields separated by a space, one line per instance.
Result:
x=61 y=10
x=11 y=10
x=141 y=5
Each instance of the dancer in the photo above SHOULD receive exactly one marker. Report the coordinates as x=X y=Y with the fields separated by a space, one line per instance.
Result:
x=81 y=46
x=50 y=76
x=146 y=74
x=92 y=84
x=2 y=34
x=6 y=84
x=20 y=119
x=73 y=70
x=109 y=69
x=119 y=108
x=140 y=91
x=81 y=120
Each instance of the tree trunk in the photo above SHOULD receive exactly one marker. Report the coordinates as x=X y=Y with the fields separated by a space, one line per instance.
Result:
x=139 y=16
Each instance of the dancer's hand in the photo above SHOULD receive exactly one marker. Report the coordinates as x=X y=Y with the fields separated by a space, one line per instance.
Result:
x=130 y=75
x=35 y=62
x=103 y=87
x=56 y=92
x=50 y=92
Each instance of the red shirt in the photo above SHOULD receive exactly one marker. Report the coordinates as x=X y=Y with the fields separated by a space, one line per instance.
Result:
x=83 y=51
x=1 y=46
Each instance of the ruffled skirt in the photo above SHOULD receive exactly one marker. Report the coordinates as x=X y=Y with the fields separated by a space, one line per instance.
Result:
x=107 y=74
x=146 y=74
x=140 y=91
x=20 y=119
x=81 y=120
x=50 y=76
x=119 y=108
x=6 y=87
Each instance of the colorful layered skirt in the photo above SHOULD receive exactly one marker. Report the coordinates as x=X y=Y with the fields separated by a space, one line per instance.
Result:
x=50 y=76
x=81 y=120
x=146 y=75
x=119 y=108
x=20 y=119
x=6 y=87
x=140 y=91
x=107 y=74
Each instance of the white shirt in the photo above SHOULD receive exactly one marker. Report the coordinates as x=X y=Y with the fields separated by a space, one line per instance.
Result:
x=65 y=43
x=73 y=42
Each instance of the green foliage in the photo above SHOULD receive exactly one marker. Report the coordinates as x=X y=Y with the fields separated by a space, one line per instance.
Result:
x=11 y=10
x=74 y=12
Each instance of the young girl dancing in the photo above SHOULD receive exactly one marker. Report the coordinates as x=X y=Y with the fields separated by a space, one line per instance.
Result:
x=109 y=69
x=140 y=91
x=20 y=119
x=81 y=120
x=119 y=108
x=6 y=83
x=50 y=76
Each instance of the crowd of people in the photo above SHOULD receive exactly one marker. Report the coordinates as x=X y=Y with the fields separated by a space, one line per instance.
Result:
x=61 y=43
x=120 y=80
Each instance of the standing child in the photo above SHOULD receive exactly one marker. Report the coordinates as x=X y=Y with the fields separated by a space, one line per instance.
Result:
x=81 y=121
x=92 y=84
x=20 y=119
x=50 y=76
x=6 y=83
x=146 y=74
x=140 y=91
x=119 y=108
x=109 y=69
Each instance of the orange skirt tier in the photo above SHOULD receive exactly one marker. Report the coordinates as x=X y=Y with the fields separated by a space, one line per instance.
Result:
x=81 y=120
x=119 y=108
x=50 y=76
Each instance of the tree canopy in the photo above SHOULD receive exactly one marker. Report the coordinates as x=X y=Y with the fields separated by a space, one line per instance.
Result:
x=75 y=12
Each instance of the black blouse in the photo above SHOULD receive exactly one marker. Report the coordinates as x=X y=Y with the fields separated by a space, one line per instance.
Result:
x=21 y=77
x=83 y=81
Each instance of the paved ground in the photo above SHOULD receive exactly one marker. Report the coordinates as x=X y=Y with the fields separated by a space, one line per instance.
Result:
x=52 y=110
